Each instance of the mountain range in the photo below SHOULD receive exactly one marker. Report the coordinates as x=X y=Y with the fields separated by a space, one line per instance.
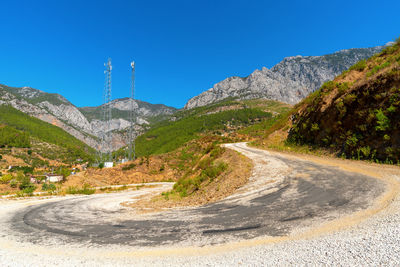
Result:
x=84 y=123
x=289 y=81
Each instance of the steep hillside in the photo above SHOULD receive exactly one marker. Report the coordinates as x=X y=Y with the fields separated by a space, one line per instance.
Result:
x=289 y=81
x=121 y=109
x=51 y=108
x=223 y=118
x=11 y=137
x=144 y=115
x=84 y=123
x=357 y=114
x=23 y=131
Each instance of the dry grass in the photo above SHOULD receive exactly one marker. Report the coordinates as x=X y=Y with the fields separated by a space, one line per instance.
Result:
x=226 y=184
x=7 y=189
x=153 y=170
x=9 y=160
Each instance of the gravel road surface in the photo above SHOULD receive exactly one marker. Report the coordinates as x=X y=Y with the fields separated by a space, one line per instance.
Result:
x=285 y=197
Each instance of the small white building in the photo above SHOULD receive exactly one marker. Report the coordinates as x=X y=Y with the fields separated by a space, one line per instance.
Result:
x=108 y=164
x=54 y=178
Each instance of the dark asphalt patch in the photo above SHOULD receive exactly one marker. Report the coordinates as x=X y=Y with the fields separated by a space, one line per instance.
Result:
x=243 y=228
x=326 y=191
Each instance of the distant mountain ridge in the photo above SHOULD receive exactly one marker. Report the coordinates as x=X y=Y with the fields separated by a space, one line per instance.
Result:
x=289 y=81
x=86 y=123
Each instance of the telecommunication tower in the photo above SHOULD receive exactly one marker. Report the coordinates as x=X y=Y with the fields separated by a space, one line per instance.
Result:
x=107 y=116
x=132 y=118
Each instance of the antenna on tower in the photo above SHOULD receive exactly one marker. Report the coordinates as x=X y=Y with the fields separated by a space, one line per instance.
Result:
x=132 y=118
x=107 y=116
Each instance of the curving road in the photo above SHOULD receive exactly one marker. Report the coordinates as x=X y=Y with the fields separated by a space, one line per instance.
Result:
x=284 y=195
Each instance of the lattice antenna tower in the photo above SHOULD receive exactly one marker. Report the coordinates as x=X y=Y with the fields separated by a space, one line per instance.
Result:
x=132 y=117
x=107 y=138
x=102 y=130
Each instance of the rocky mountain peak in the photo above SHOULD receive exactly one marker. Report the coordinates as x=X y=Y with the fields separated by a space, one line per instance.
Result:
x=289 y=81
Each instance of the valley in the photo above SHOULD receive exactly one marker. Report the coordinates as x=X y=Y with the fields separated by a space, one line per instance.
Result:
x=290 y=158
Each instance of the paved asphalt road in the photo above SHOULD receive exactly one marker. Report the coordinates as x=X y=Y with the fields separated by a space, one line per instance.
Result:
x=282 y=195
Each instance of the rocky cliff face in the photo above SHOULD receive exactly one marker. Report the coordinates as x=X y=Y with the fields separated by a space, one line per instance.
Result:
x=86 y=124
x=121 y=109
x=289 y=81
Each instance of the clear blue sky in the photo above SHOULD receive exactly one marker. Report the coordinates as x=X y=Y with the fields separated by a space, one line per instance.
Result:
x=181 y=47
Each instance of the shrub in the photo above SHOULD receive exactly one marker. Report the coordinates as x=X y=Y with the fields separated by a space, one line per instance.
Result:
x=26 y=184
x=24 y=169
x=352 y=140
x=391 y=109
x=348 y=99
x=217 y=151
x=382 y=121
x=13 y=183
x=162 y=167
x=378 y=68
x=29 y=189
x=49 y=187
x=328 y=86
x=366 y=151
x=314 y=127
x=359 y=66
x=85 y=190
x=129 y=167
x=64 y=171
x=183 y=193
x=204 y=163
x=5 y=179
x=343 y=87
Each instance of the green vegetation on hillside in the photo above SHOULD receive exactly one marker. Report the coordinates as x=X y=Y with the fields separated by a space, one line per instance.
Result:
x=32 y=127
x=266 y=127
x=356 y=115
x=10 y=137
x=54 y=99
x=38 y=97
x=201 y=166
x=222 y=118
x=167 y=136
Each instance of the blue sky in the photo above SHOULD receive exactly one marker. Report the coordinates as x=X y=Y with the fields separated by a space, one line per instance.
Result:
x=181 y=47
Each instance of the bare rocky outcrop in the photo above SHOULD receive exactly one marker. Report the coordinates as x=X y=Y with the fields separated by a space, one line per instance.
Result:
x=289 y=81
x=86 y=124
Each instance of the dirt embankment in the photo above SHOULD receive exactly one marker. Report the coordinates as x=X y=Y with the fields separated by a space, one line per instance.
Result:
x=143 y=170
x=235 y=176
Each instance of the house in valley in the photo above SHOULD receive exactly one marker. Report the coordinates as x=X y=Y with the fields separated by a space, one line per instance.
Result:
x=54 y=178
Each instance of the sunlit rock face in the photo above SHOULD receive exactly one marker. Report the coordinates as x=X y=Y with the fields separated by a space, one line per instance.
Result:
x=87 y=123
x=289 y=81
